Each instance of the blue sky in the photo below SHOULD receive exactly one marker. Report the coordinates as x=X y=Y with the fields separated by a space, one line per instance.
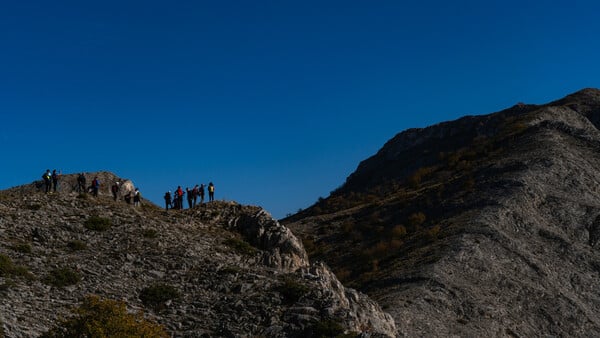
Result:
x=276 y=102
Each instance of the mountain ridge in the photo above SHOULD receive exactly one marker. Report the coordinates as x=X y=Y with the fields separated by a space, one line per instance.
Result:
x=482 y=225
x=237 y=271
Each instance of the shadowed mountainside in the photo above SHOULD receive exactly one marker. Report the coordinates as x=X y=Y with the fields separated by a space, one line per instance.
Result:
x=484 y=225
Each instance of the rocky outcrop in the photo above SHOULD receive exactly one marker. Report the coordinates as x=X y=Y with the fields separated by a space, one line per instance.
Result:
x=283 y=250
x=237 y=271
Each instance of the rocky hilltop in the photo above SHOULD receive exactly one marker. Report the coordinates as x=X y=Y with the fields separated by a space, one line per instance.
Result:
x=231 y=270
x=487 y=225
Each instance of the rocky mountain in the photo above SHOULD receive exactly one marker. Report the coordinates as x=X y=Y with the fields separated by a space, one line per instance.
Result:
x=487 y=225
x=219 y=270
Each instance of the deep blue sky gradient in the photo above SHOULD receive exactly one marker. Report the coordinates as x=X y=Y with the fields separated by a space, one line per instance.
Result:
x=276 y=102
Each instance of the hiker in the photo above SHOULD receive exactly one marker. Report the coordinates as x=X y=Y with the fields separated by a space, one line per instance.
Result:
x=137 y=197
x=180 y=194
x=195 y=193
x=115 y=190
x=95 y=186
x=127 y=197
x=81 y=183
x=201 y=193
x=47 y=180
x=55 y=178
x=211 y=192
x=190 y=197
x=168 y=200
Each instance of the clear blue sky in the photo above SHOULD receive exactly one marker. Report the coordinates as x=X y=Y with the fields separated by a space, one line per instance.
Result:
x=276 y=102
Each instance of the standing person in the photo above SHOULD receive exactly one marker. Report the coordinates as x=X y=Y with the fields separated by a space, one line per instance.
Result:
x=137 y=197
x=127 y=197
x=195 y=193
x=55 y=178
x=47 y=180
x=95 y=186
x=211 y=192
x=190 y=197
x=115 y=190
x=201 y=192
x=179 y=193
x=81 y=183
x=168 y=200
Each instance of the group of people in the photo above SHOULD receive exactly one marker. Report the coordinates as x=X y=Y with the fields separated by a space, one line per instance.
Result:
x=51 y=180
x=51 y=184
x=176 y=201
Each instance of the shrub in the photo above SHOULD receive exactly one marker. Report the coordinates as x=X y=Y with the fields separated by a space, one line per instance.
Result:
x=76 y=245
x=34 y=207
x=291 y=290
x=399 y=231
x=98 y=317
x=150 y=233
x=416 y=219
x=8 y=268
x=62 y=277
x=414 y=181
x=97 y=223
x=22 y=247
x=433 y=233
x=157 y=295
x=327 y=328
x=240 y=246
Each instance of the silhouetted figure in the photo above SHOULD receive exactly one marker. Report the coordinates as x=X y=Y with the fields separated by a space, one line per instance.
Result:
x=211 y=192
x=95 y=186
x=55 y=178
x=190 y=197
x=115 y=190
x=81 y=187
x=180 y=194
x=137 y=198
x=195 y=194
x=168 y=200
x=201 y=192
x=47 y=177
x=127 y=197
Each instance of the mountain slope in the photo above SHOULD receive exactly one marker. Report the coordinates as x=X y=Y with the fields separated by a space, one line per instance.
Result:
x=484 y=225
x=237 y=272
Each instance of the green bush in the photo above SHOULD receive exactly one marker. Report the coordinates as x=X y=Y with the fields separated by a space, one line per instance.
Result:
x=62 y=277
x=22 y=248
x=8 y=268
x=157 y=295
x=328 y=328
x=101 y=318
x=34 y=207
x=291 y=290
x=240 y=246
x=76 y=245
x=97 y=223
x=150 y=233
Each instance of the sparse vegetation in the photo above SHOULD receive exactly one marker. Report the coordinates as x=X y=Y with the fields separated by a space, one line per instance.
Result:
x=34 y=207
x=150 y=233
x=97 y=223
x=240 y=246
x=62 y=277
x=76 y=245
x=22 y=248
x=98 y=317
x=328 y=328
x=291 y=290
x=155 y=296
x=9 y=269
